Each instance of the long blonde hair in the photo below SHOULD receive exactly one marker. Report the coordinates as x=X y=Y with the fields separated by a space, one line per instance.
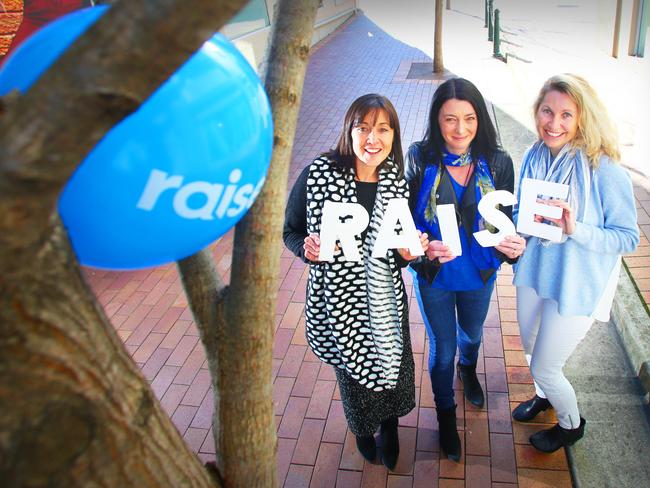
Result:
x=597 y=132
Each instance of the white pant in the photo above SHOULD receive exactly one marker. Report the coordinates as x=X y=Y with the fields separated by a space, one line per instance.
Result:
x=549 y=339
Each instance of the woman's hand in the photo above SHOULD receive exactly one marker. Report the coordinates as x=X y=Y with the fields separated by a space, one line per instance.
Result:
x=424 y=241
x=568 y=219
x=512 y=246
x=312 y=247
x=437 y=250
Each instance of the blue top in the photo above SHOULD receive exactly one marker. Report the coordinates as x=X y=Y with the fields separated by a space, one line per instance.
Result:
x=460 y=274
x=575 y=272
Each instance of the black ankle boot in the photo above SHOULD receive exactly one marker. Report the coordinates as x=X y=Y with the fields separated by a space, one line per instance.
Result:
x=471 y=386
x=449 y=440
x=389 y=443
x=367 y=447
x=550 y=440
x=529 y=409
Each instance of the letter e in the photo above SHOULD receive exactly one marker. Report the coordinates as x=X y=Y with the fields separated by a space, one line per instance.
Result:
x=529 y=207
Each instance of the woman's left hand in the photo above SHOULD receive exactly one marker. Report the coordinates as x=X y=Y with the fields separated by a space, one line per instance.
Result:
x=512 y=246
x=424 y=241
x=568 y=219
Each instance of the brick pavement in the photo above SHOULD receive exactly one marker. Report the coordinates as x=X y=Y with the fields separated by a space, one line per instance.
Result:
x=150 y=314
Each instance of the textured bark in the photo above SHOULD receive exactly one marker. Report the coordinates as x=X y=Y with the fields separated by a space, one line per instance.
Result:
x=74 y=408
x=242 y=322
x=438 y=66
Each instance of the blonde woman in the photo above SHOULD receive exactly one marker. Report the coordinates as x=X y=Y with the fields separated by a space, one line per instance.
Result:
x=562 y=287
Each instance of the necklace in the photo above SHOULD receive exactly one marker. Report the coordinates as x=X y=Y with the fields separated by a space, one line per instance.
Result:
x=461 y=174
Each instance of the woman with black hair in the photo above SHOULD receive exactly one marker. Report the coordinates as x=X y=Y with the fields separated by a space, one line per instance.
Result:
x=457 y=162
x=357 y=311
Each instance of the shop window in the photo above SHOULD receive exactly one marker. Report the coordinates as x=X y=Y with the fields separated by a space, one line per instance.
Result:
x=253 y=17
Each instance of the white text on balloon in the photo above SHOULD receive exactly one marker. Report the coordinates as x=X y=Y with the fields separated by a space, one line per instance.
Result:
x=217 y=202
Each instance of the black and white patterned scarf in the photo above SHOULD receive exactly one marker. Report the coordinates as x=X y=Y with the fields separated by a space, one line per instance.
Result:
x=354 y=310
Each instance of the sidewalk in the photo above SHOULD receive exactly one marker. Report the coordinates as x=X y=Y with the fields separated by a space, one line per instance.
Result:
x=150 y=313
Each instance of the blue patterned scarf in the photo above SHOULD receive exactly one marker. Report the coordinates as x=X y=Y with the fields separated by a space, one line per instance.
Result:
x=426 y=218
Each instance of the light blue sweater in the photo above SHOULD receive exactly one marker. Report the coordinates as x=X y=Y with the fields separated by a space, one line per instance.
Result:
x=575 y=273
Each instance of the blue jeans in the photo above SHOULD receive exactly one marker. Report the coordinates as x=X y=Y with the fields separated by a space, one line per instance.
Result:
x=439 y=309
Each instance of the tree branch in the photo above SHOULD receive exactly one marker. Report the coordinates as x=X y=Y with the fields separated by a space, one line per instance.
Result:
x=205 y=292
x=246 y=446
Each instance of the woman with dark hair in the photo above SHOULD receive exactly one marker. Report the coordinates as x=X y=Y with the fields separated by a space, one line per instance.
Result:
x=356 y=312
x=457 y=162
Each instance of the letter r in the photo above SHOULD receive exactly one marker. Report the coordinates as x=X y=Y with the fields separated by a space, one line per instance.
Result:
x=158 y=182
x=332 y=227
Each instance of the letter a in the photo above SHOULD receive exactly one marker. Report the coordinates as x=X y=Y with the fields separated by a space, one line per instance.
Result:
x=397 y=210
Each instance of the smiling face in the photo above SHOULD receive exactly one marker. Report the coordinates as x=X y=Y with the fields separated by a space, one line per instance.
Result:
x=557 y=120
x=372 y=142
x=458 y=125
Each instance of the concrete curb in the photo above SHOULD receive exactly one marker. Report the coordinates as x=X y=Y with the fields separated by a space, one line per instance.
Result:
x=632 y=322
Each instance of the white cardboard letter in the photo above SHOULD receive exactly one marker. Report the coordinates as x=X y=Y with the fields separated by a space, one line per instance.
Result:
x=487 y=209
x=341 y=221
x=449 y=228
x=397 y=210
x=528 y=208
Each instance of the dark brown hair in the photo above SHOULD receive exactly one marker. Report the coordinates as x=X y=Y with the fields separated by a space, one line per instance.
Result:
x=343 y=154
x=485 y=141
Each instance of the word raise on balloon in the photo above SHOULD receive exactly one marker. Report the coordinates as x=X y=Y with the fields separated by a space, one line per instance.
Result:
x=175 y=175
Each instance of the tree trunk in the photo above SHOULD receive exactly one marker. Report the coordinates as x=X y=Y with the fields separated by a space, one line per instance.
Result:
x=74 y=408
x=438 y=66
x=242 y=324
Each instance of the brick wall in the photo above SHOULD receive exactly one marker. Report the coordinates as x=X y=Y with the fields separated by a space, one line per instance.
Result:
x=11 y=15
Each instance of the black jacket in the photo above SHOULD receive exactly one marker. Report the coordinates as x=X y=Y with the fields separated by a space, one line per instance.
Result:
x=502 y=169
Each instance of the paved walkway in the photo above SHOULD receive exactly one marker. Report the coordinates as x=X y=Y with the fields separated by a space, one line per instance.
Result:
x=150 y=313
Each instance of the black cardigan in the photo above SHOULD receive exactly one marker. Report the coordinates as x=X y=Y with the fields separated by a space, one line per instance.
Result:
x=295 y=217
x=503 y=173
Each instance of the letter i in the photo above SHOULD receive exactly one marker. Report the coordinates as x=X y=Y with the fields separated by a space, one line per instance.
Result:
x=235 y=176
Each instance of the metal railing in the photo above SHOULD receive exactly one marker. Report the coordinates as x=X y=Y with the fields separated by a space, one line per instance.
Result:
x=493 y=24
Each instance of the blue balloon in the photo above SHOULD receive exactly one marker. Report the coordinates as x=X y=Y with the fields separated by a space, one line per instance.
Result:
x=175 y=175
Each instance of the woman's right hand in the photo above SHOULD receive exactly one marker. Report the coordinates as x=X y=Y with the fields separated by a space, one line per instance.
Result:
x=312 y=247
x=437 y=250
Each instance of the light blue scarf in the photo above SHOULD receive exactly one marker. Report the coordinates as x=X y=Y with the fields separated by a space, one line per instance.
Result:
x=569 y=167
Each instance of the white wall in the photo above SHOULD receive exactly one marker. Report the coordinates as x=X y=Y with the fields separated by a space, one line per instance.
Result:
x=331 y=15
